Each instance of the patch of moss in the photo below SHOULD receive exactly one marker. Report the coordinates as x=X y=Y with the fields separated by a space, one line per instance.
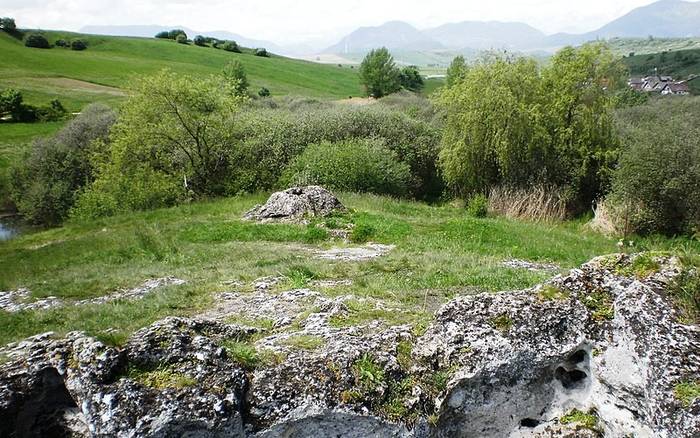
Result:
x=587 y=420
x=687 y=392
x=261 y=323
x=600 y=303
x=243 y=353
x=162 y=377
x=503 y=323
x=549 y=292
x=642 y=266
x=304 y=342
x=404 y=349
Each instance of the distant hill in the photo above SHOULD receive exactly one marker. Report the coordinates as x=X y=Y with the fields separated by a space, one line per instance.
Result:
x=151 y=30
x=486 y=35
x=663 y=19
x=394 y=35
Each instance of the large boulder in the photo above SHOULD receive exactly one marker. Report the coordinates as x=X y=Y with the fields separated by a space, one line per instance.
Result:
x=597 y=352
x=296 y=204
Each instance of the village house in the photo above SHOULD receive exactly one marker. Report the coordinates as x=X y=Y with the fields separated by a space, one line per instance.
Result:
x=664 y=85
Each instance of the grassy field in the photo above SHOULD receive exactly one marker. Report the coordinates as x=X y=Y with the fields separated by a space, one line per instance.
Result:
x=645 y=46
x=441 y=253
x=113 y=61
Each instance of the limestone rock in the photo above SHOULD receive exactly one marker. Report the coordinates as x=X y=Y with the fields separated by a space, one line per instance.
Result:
x=296 y=204
x=596 y=352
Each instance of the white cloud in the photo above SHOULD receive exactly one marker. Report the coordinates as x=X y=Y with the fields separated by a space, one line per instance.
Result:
x=288 y=21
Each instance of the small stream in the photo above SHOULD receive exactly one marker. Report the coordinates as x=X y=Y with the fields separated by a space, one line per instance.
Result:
x=9 y=228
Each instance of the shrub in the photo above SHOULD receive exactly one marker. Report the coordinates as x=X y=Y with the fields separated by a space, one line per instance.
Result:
x=36 y=40
x=181 y=38
x=170 y=144
x=48 y=180
x=199 y=40
x=478 y=206
x=264 y=92
x=657 y=185
x=270 y=139
x=78 y=45
x=234 y=73
x=61 y=43
x=231 y=46
x=10 y=103
x=163 y=35
x=351 y=165
x=262 y=52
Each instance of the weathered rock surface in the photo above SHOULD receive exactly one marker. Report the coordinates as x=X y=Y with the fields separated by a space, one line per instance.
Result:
x=489 y=365
x=21 y=299
x=296 y=204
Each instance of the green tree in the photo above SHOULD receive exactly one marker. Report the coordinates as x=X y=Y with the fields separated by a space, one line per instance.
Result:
x=456 y=70
x=231 y=46
x=510 y=123
x=172 y=34
x=171 y=142
x=181 y=38
x=78 y=45
x=379 y=74
x=199 y=40
x=8 y=24
x=234 y=73
x=264 y=92
x=411 y=78
x=37 y=40
x=262 y=52
x=163 y=35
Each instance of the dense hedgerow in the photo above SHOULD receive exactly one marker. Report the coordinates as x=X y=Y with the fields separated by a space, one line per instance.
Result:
x=656 y=187
x=357 y=165
x=271 y=139
x=46 y=183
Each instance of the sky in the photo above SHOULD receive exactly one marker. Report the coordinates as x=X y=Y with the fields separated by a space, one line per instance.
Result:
x=289 y=22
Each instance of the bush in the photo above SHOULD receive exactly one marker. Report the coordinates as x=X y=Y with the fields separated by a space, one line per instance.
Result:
x=411 y=79
x=181 y=38
x=36 y=40
x=61 y=43
x=170 y=144
x=78 y=45
x=173 y=34
x=264 y=92
x=10 y=103
x=262 y=52
x=269 y=139
x=46 y=183
x=657 y=185
x=478 y=206
x=163 y=35
x=364 y=166
x=234 y=73
x=199 y=40
x=231 y=46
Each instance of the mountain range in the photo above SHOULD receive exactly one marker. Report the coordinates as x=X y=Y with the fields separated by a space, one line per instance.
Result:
x=665 y=18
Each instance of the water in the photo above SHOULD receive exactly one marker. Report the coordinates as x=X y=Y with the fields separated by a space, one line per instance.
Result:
x=8 y=229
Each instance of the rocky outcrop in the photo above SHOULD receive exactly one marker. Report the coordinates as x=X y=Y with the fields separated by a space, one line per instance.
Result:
x=596 y=352
x=296 y=204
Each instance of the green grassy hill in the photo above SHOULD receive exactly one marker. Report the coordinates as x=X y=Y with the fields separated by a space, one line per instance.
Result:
x=109 y=63
x=680 y=64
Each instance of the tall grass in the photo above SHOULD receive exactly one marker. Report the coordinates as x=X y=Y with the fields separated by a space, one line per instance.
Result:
x=539 y=204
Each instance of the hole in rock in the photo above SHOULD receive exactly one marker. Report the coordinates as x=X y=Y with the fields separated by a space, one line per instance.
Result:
x=570 y=379
x=578 y=357
x=43 y=411
x=529 y=422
